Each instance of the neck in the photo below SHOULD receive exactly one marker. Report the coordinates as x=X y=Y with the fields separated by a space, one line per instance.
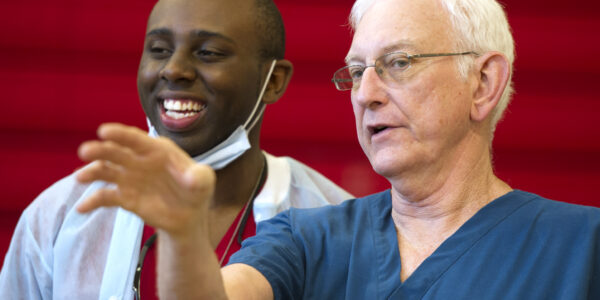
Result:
x=428 y=211
x=235 y=186
x=237 y=181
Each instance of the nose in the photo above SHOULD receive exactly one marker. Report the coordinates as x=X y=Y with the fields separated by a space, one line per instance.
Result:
x=371 y=91
x=178 y=68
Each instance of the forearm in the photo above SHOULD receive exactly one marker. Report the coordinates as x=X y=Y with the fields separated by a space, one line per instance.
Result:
x=188 y=269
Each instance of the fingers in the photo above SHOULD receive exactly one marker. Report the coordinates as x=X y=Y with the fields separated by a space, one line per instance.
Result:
x=127 y=136
x=100 y=198
x=105 y=150
x=99 y=170
x=153 y=177
x=120 y=144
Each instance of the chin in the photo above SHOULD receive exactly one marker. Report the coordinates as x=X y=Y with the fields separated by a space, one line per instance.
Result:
x=386 y=171
x=390 y=164
x=185 y=143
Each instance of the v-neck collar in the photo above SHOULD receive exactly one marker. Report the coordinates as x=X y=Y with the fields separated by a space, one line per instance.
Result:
x=431 y=269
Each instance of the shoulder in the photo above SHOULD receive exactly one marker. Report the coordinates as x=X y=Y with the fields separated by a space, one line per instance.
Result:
x=304 y=180
x=51 y=239
x=55 y=202
x=553 y=209
x=350 y=211
x=46 y=215
x=555 y=218
x=299 y=170
x=289 y=248
x=292 y=184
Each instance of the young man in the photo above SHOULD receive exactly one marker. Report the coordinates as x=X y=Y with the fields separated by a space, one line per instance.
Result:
x=207 y=71
x=429 y=81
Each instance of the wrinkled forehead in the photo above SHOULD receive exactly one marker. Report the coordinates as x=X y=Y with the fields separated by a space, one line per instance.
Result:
x=400 y=25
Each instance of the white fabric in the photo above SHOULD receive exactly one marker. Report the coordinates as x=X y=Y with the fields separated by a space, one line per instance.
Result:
x=57 y=253
x=223 y=153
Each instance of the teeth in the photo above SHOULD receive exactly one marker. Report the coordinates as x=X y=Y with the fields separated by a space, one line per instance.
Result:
x=177 y=115
x=182 y=105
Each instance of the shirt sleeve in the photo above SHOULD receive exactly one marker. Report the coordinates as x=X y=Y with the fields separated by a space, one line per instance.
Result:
x=26 y=273
x=277 y=253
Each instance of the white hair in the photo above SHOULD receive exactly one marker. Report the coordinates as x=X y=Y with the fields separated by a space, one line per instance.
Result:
x=480 y=25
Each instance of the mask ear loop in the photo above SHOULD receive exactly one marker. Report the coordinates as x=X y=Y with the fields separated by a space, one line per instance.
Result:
x=258 y=102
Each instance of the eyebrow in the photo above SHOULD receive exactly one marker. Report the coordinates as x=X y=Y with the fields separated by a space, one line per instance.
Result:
x=198 y=33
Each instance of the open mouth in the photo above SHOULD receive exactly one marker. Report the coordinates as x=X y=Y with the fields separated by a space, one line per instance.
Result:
x=181 y=114
x=378 y=129
x=179 y=109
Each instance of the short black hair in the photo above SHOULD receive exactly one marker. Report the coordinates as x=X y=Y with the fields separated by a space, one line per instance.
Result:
x=270 y=30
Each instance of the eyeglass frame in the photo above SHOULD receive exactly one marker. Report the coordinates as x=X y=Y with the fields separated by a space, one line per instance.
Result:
x=409 y=58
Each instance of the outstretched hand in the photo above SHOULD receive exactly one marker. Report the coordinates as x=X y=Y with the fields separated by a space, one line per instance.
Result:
x=153 y=178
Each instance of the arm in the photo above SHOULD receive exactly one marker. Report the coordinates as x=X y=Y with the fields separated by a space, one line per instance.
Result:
x=159 y=182
x=239 y=276
x=189 y=270
x=24 y=273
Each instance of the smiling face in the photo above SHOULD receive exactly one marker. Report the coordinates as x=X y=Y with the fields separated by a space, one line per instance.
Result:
x=200 y=70
x=418 y=124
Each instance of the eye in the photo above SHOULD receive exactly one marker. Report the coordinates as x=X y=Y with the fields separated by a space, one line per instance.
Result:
x=356 y=72
x=398 y=63
x=209 y=55
x=159 y=50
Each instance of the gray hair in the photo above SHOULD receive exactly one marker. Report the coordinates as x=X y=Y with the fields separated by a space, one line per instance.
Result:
x=481 y=26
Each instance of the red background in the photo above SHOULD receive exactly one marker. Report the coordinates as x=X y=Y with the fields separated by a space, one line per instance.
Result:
x=68 y=65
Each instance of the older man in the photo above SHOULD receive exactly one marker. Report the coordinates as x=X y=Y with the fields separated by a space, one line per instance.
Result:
x=208 y=68
x=429 y=80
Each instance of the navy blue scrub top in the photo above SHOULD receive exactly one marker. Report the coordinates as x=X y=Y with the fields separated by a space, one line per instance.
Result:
x=519 y=246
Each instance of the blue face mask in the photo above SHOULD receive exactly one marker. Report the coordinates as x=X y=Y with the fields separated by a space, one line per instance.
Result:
x=237 y=143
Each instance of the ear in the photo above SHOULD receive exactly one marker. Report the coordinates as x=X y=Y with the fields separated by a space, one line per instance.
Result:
x=282 y=73
x=493 y=70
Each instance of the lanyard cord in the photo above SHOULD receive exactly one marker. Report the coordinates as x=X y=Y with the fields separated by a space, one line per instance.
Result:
x=247 y=209
x=138 y=270
x=257 y=188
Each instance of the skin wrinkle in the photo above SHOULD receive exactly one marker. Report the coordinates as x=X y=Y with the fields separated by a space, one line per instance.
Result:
x=435 y=152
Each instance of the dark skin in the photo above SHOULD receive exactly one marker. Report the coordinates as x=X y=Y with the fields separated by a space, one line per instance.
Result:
x=208 y=51
x=189 y=204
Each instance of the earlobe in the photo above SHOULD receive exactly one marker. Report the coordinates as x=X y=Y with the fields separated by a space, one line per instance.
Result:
x=282 y=73
x=494 y=73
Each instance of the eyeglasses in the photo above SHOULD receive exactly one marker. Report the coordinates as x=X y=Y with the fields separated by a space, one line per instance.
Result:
x=390 y=67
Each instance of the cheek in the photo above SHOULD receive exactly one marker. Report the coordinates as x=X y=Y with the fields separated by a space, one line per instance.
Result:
x=147 y=76
x=447 y=113
x=360 y=133
x=228 y=81
x=358 y=113
x=233 y=91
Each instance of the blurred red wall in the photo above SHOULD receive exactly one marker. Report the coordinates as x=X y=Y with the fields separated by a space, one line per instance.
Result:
x=66 y=66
